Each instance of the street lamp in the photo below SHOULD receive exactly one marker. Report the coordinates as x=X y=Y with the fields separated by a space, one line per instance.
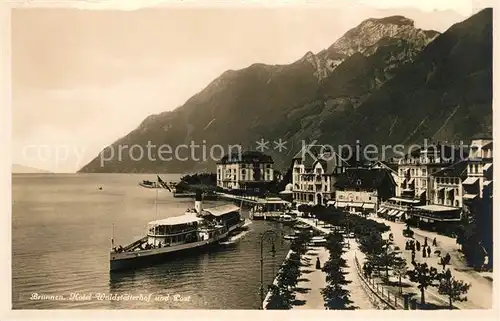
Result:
x=271 y=235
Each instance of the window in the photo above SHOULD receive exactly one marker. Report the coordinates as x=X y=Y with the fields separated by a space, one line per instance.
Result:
x=424 y=171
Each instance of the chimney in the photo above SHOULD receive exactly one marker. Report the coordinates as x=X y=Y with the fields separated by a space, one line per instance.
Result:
x=198 y=202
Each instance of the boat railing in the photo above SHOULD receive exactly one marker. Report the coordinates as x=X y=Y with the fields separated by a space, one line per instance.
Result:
x=134 y=244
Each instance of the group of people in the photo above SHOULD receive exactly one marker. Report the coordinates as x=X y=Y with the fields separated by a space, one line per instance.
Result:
x=413 y=246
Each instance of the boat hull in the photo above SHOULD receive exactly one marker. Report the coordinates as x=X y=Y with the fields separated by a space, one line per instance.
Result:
x=136 y=259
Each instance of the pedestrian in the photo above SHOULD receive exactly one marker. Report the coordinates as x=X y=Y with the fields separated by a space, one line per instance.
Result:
x=413 y=257
x=429 y=251
x=423 y=252
x=318 y=264
x=418 y=246
x=425 y=241
x=434 y=242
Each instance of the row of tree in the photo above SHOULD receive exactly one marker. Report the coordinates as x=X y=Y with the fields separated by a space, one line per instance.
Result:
x=382 y=256
x=336 y=296
x=282 y=294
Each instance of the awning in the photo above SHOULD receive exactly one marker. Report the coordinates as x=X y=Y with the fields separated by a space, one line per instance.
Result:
x=330 y=203
x=400 y=213
x=391 y=212
x=487 y=183
x=487 y=166
x=447 y=189
x=437 y=208
x=403 y=200
x=411 y=181
x=382 y=210
x=341 y=204
x=369 y=206
x=469 y=196
x=439 y=189
x=355 y=204
x=470 y=181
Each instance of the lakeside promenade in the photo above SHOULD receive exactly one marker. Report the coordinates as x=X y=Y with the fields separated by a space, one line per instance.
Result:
x=312 y=280
x=479 y=295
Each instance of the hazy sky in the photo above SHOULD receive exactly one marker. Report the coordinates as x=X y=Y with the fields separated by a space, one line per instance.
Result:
x=83 y=78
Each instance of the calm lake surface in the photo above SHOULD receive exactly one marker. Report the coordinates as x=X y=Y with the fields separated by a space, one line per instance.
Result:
x=62 y=226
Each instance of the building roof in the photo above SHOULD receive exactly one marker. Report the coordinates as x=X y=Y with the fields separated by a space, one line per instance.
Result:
x=363 y=178
x=404 y=200
x=329 y=158
x=387 y=165
x=488 y=146
x=438 y=149
x=221 y=210
x=459 y=169
x=436 y=208
x=178 y=220
x=246 y=157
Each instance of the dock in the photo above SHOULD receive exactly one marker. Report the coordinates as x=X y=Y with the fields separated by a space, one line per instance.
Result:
x=267 y=208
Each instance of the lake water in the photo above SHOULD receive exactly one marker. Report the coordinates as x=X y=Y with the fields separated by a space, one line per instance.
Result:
x=62 y=226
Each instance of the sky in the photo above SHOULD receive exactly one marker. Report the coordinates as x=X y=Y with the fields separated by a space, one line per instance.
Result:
x=83 y=77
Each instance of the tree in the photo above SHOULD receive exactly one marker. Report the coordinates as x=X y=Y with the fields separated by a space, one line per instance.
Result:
x=280 y=298
x=289 y=273
x=336 y=298
x=400 y=270
x=454 y=289
x=425 y=276
x=372 y=243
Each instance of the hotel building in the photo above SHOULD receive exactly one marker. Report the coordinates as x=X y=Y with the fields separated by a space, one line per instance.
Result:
x=250 y=170
x=314 y=174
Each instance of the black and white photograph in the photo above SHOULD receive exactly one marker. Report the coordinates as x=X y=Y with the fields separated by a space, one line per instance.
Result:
x=250 y=156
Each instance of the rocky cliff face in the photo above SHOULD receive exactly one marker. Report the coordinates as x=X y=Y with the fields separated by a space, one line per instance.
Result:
x=383 y=81
x=367 y=38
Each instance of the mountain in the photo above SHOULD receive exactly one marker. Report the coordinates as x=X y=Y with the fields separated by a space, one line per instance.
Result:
x=384 y=81
x=21 y=169
x=444 y=95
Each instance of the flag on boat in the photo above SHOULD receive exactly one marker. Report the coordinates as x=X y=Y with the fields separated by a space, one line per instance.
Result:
x=162 y=183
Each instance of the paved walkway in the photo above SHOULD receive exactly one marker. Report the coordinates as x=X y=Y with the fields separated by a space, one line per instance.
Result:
x=312 y=281
x=308 y=291
x=481 y=291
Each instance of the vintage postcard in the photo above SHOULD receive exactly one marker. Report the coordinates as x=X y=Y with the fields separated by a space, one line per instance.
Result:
x=331 y=155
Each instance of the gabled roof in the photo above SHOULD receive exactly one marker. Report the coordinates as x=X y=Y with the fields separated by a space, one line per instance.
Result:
x=246 y=157
x=328 y=158
x=459 y=169
x=389 y=166
x=363 y=178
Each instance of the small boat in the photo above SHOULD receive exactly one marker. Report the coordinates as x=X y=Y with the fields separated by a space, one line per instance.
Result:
x=290 y=237
x=317 y=241
x=184 y=194
x=286 y=219
x=302 y=226
x=149 y=184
